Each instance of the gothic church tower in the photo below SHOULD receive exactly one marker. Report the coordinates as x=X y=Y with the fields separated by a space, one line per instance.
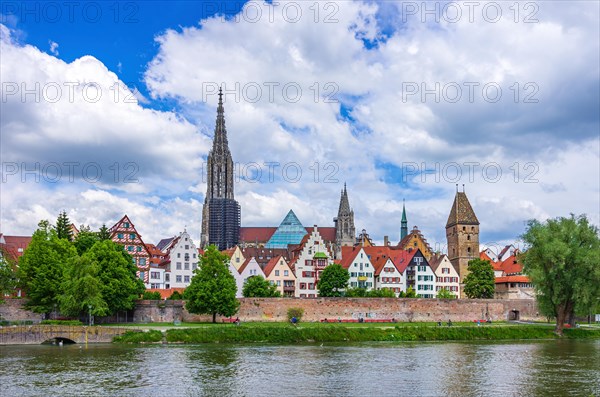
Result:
x=462 y=234
x=220 y=213
x=345 y=234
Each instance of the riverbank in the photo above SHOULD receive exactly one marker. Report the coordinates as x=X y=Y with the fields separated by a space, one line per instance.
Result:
x=313 y=333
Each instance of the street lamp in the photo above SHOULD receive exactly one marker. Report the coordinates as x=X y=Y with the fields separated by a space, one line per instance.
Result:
x=90 y=315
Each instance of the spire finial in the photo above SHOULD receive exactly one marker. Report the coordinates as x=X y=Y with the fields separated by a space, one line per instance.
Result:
x=457 y=188
x=463 y=187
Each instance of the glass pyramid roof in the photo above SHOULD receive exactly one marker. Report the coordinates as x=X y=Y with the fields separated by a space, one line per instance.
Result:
x=290 y=231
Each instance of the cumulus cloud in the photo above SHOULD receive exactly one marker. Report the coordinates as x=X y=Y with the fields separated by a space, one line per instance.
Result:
x=385 y=98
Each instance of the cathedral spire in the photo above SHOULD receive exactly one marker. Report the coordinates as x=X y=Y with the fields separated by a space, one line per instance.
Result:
x=404 y=223
x=220 y=144
x=344 y=203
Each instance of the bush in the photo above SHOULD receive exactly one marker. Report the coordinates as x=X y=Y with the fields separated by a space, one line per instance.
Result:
x=176 y=295
x=61 y=322
x=297 y=312
x=151 y=295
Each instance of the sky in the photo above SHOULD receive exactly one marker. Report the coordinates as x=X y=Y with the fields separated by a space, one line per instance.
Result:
x=108 y=108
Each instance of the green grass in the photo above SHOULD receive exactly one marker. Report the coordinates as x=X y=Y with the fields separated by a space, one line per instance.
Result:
x=151 y=336
x=249 y=333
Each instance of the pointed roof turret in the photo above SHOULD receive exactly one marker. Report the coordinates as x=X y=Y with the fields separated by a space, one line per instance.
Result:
x=404 y=223
x=461 y=212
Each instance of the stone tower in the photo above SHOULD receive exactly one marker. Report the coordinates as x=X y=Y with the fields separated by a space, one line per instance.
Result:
x=404 y=223
x=345 y=234
x=220 y=213
x=462 y=234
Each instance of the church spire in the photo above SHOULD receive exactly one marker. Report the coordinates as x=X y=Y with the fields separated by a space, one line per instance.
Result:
x=220 y=144
x=344 y=203
x=404 y=223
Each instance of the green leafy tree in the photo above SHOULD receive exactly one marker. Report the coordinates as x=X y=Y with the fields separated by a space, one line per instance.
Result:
x=381 y=293
x=63 y=227
x=120 y=285
x=480 y=282
x=85 y=239
x=258 y=287
x=103 y=234
x=562 y=260
x=42 y=266
x=151 y=295
x=176 y=295
x=212 y=289
x=356 y=292
x=82 y=288
x=410 y=293
x=8 y=277
x=333 y=281
x=445 y=294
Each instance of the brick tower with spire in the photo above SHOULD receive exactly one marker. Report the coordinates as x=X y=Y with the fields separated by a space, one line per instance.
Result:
x=462 y=234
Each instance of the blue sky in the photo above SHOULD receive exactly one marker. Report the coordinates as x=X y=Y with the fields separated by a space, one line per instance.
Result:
x=396 y=102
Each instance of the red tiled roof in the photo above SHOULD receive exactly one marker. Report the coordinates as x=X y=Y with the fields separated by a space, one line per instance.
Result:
x=511 y=265
x=229 y=252
x=512 y=279
x=241 y=268
x=349 y=257
x=485 y=257
x=271 y=265
x=256 y=234
x=166 y=293
x=400 y=258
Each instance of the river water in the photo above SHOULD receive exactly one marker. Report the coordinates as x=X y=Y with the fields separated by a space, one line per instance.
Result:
x=541 y=368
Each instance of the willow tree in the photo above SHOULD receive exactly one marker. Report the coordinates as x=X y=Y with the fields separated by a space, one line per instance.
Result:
x=562 y=260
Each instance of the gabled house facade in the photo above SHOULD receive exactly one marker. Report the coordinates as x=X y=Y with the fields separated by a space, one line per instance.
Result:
x=358 y=264
x=312 y=257
x=420 y=276
x=446 y=276
x=124 y=233
x=279 y=273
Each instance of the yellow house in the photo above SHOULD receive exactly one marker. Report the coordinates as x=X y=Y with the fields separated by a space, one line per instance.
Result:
x=279 y=273
x=236 y=257
x=414 y=240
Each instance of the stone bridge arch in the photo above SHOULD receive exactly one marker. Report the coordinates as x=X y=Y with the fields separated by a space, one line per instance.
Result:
x=38 y=334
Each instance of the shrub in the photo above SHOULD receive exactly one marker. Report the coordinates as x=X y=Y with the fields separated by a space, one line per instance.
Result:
x=176 y=295
x=151 y=295
x=297 y=312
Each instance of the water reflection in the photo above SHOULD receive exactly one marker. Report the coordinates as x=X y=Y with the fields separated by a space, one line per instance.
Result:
x=549 y=368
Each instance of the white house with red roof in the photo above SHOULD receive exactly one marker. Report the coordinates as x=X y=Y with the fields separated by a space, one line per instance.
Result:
x=419 y=275
x=446 y=276
x=358 y=264
x=249 y=268
x=124 y=233
x=310 y=259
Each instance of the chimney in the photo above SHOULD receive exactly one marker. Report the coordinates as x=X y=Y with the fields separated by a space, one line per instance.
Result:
x=386 y=241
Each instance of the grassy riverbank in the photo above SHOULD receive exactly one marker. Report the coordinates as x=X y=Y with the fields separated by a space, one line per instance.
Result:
x=248 y=333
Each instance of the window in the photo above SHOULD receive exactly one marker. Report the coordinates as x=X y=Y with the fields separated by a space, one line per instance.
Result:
x=139 y=248
x=187 y=246
x=179 y=254
x=237 y=260
x=194 y=266
x=302 y=285
x=178 y=279
x=186 y=266
x=468 y=237
x=178 y=266
x=142 y=275
x=167 y=277
x=186 y=279
x=130 y=248
x=131 y=236
x=155 y=275
x=120 y=236
x=126 y=225
x=194 y=256
x=278 y=283
x=276 y=273
x=286 y=273
x=311 y=286
x=142 y=261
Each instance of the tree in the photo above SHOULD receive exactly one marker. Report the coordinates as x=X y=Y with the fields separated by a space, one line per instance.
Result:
x=63 y=227
x=82 y=288
x=8 y=278
x=121 y=287
x=410 y=293
x=212 y=289
x=85 y=240
x=333 y=281
x=41 y=268
x=258 y=287
x=480 y=282
x=562 y=260
x=381 y=293
x=151 y=295
x=103 y=234
x=176 y=295
x=445 y=294
x=356 y=292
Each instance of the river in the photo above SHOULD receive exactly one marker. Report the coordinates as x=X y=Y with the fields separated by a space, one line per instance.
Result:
x=540 y=368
